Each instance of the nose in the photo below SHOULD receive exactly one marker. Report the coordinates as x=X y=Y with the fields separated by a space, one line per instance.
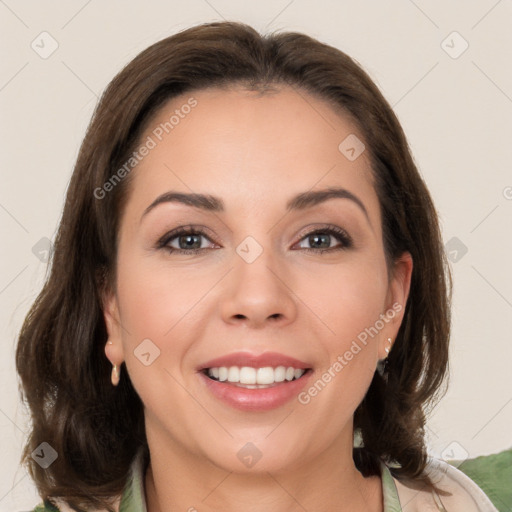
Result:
x=258 y=294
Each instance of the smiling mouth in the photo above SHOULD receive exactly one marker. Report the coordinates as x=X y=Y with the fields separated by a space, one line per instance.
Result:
x=255 y=378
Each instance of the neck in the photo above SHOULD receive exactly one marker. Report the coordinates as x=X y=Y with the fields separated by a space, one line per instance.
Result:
x=177 y=480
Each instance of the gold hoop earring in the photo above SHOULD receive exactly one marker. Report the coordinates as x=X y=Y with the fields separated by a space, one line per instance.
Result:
x=115 y=375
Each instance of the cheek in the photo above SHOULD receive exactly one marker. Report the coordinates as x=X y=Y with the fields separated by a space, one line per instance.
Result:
x=350 y=306
x=153 y=299
x=165 y=306
x=348 y=298
x=350 y=309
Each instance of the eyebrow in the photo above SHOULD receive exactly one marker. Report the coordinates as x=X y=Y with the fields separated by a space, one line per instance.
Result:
x=301 y=201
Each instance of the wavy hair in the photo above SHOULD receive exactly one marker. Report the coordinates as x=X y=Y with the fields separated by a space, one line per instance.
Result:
x=65 y=377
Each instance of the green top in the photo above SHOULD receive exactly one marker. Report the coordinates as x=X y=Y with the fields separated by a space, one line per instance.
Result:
x=493 y=473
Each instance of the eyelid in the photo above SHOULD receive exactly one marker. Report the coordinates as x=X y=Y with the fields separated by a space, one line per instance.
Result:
x=313 y=228
x=332 y=230
x=184 y=229
x=346 y=241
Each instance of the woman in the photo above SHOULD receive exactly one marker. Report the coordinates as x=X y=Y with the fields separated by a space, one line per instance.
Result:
x=248 y=306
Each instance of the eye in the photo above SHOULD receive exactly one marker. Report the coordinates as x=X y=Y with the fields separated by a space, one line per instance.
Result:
x=320 y=240
x=184 y=240
x=188 y=240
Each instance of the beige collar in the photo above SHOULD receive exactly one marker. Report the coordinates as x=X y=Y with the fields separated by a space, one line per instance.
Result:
x=458 y=493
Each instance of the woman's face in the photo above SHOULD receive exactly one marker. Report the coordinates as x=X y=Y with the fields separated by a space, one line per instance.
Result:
x=259 y=282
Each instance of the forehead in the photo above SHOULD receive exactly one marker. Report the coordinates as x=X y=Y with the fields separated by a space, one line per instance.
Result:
x=247 y=147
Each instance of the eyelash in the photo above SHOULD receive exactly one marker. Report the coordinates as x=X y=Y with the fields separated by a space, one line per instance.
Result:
x=335 y=231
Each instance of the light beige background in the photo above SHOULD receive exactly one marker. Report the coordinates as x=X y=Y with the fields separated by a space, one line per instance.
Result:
x=456 y=112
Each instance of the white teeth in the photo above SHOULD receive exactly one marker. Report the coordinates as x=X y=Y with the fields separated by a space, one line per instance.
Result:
x=223 y=373
x=279 y=374
x=265 y=375
x=247 y=375
x=255 y=376
x=234 y=374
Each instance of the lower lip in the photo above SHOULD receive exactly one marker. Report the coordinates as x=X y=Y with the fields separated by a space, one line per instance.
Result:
x=262 y=399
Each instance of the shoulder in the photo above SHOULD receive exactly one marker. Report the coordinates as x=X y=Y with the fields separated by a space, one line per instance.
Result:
x=454 y=492
x=131 y=499
x=493 y=474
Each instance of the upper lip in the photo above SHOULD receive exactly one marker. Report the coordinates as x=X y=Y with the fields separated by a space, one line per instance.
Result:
x=240 y=359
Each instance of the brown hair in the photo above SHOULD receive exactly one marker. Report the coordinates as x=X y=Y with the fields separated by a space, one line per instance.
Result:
x=95 y=428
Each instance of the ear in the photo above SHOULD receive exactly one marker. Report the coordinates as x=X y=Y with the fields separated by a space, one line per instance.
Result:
x=114 y=346
x=396 y=299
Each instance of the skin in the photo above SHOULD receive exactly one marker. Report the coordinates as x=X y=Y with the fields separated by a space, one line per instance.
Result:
x=254 y=152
